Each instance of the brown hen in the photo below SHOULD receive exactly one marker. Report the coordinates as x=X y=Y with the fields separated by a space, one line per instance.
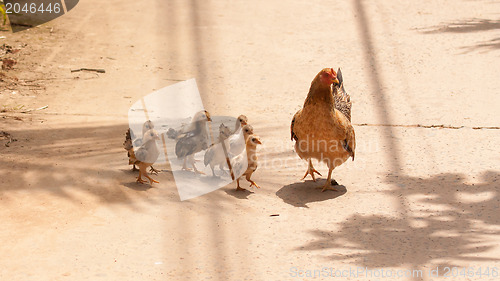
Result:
x=322 y=129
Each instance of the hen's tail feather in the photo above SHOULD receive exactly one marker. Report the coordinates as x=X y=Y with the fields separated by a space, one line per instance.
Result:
x=342 y=99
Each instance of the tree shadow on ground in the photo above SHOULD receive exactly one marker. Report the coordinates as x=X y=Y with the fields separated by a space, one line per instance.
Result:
x=448 y=219
x=68 y=161
x=469 y=26
x=464 y=26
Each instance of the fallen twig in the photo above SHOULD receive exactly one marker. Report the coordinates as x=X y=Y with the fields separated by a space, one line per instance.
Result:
x=440 y=126
x=40 y=108
x=89 y=69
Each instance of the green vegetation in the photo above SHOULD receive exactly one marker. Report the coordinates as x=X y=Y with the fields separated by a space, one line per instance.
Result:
x=2 y=10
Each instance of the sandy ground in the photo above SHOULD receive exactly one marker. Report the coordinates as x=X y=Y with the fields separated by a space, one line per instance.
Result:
x=415 y=199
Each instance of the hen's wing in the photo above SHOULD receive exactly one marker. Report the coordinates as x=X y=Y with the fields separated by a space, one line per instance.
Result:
x=292 y=133
x=342 y=99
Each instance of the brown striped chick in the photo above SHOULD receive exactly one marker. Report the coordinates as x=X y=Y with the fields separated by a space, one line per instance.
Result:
x=241 y=121
x=131 y=141
x=147 y=154
x=251 y=149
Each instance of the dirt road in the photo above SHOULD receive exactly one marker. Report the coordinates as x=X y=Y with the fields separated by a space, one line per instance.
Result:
x=415 y=199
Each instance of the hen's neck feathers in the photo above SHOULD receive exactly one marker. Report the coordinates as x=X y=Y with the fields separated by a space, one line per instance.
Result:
x=319 y=93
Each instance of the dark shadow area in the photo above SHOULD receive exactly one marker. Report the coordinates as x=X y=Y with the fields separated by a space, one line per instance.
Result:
x=138 y=186
x=299 y=194
x=65 y=161
x=239 y=194
x=448 y=219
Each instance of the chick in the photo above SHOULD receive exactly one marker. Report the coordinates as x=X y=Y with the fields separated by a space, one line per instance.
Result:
x=193 y=141
x=251 y=151
x=241 y=121
x=131 y=141
x=236 y=146
x=147 y=154
x=215 y=156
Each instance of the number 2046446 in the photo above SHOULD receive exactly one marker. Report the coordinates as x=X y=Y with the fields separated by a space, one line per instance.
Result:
x=33 y=8
x=470 y=272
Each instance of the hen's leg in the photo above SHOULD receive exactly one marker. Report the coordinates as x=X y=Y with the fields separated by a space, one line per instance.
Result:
x=327 y=185
x=311 y=171
x=134 y=169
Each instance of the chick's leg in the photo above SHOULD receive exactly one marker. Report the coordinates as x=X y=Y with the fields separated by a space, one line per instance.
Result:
x=139 y=179
x=153 y=170
x=311 y=171
x=238 y=187
x=192 y=160
x=142 y=169
x=213 y=172
x=327 y=185
x=252 y=183
x=184 y=165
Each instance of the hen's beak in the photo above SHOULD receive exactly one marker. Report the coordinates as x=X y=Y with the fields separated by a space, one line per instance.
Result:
x=335 y=81
x=209 y=119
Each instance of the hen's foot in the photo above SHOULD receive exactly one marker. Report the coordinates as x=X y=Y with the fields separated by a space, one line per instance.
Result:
x=311 y=171
x=238 y=188
x=139 y=180
x=327 y=186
